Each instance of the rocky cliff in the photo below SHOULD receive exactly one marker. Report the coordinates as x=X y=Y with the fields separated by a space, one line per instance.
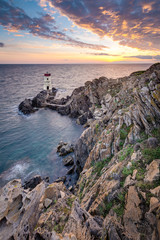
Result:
x=117 y=196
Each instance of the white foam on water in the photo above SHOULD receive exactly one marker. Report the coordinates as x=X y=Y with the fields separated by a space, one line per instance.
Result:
x=16 y=171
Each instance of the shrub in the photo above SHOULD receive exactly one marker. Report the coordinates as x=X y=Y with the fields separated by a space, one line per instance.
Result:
x=98 y=166
x=104 y=208
x=126 y=152
x=151 y=154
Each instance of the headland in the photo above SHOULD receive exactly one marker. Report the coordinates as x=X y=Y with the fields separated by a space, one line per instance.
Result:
x=117 y=195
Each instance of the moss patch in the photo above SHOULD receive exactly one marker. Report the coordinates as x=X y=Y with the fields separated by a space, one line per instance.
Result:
x=151 y=154
x=126 y=152
x=98 y=166
x=123 y=134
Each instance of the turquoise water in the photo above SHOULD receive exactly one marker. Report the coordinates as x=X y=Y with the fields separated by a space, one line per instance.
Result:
x=28 y=144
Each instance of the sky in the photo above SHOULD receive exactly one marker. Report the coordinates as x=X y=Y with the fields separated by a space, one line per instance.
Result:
x=79 y=31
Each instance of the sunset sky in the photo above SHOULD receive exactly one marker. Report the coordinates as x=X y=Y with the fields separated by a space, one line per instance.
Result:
x=79 y=31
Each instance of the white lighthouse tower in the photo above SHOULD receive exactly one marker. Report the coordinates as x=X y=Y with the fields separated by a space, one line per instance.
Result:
x=47 y=82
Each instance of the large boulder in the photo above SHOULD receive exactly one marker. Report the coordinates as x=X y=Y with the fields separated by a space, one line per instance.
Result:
x=153 y=172
x=40 y=100
x=68 y=161
x=26 y=107
x=64 y=148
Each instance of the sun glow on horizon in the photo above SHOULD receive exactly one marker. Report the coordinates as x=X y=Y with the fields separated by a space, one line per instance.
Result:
x=47 y=31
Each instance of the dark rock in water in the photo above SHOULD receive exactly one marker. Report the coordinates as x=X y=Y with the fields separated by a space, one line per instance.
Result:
x=26 y=107
x=60 y=145
x=82 y=119
x=65 y=148
x=32 y=183
x=61 y=179
x=71 y=170
x=40 y=100
x=46 y=179
x=54 y=90
x=68 y=161
x=64 y=109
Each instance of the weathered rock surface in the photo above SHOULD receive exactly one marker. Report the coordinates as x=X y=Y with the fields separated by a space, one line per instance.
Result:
x=19 y=210
x=68 y=161
x=64 y=148
x=132 y=214
x=29 y=106
x=32 y=183
x=26 y=107
x=153 y=171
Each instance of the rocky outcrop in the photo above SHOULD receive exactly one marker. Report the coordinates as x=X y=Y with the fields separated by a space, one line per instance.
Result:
x=68 y=161
x=153 y=171
x=19 y=210
x=64 y=148
x=29 y=106
x=117 y=195
x=26 y=107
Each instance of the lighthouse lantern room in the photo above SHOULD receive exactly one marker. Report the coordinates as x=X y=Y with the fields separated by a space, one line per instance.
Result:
x=47 y=82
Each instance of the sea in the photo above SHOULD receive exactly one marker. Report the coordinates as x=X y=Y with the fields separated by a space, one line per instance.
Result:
x=28 y=143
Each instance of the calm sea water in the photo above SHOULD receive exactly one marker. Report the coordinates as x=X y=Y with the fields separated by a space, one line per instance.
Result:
x=28 y=144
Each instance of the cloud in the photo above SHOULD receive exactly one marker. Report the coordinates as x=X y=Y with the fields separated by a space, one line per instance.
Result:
x=103 y=54
x=15 y=19
x=133 y=23
x=1 y=44
x=156 y=57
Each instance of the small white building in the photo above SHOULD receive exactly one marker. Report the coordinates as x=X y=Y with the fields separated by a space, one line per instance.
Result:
x=47 y=82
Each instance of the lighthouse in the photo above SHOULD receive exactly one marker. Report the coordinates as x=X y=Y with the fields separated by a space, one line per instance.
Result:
x=47 y=82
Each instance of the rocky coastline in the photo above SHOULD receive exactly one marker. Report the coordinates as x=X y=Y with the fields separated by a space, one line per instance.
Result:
x=117 y=195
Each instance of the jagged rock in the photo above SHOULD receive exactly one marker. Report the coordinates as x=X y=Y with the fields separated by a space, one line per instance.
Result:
x=71 y=170
x=32 y=183
x=154 y=204
x=61 y=179
x=40 y=100
x=53 y=219
x=64 y=148
x=70 y=188
x=132 y=215
x=47 y=202
x=60 y=145
x=82 y=224
x=156 y=191
x=113 y=229
x=129 y=181
x=26 y=107
x=153 y=172
x=62 y=194
x=68 y=161
x=82 y=119
x=134 y=174
x=19 y=210
x=64 y=109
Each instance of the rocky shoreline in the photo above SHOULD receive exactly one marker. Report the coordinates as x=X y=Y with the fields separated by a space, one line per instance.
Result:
x=117 y=196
